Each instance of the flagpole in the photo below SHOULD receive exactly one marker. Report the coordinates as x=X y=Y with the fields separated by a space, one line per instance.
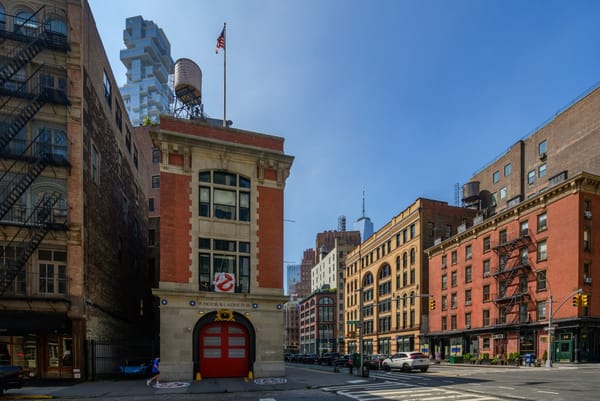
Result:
x=225 y=76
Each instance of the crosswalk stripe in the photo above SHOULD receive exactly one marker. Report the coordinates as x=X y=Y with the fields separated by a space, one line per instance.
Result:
x=415 y=393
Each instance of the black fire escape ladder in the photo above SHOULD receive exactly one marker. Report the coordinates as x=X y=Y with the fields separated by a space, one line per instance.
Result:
x=35 y=228
x=21 y=55
x=18 y=114
x=20 y=175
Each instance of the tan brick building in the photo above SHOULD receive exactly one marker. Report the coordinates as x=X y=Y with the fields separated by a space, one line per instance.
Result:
x=221 y=250
x=390 y=272
x=73 y=224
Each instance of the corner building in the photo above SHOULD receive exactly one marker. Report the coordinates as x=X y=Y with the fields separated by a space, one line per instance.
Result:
x=386 y=279
x=221 y=251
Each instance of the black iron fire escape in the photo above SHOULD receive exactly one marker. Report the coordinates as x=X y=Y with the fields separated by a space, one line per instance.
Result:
x=512 y=268
x=21 y=99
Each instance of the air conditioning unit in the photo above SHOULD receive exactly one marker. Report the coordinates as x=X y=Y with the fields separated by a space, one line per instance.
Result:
x=587 y=214
x=587 y=280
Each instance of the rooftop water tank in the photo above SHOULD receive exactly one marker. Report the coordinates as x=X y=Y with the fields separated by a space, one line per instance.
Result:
x=188 y=82
x=470 y=191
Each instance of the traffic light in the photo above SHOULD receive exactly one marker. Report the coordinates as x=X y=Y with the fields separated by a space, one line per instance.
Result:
x=431 y=304
x=584 y=299
x=576 y=301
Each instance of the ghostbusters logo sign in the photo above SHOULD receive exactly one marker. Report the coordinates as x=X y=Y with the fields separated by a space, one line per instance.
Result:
x=224 y=282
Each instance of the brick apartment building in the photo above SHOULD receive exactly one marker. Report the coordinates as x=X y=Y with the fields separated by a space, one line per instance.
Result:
x=531 y=243
x=221 y=250
x=389 y=271
x=73 y=216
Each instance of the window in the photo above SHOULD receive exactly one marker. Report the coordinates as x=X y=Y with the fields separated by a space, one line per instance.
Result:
x=444 y=261
x=155 y=155
x=468 y=320
x=531 y=177
x=503 y=193
x=524 y=256
x=151 y=204
x=542 y=148
x=486 y=293
x=495 y=177
x=587 y=239
x=52 y=272
x=486 y=244
x=541 y=310
x=56 y=26
x=507 y=169
x=368 y=279
x=413 y=256
x=542 y=170
x=542 y=252
x=224 y=256
x=227 y=198
x=156 y=181
x=468 y=252
x=453 y=324
x=444 y=281
x=542 y=222
x=454 y=257
x=468 y=274
x=486 y=268
x=412 y=276
x=454 y=279
x=503 y=237
x=412 y=231
x=128 y=140
x=486 y=322
x=107 y=89
x=119 y=117
x=453 y=301
x=444 y=302
x=95 y=165
x=135 y=156
x=444 y=323
x=467 y=297
x=524 y=228
x=151 y=237
x=448 y=231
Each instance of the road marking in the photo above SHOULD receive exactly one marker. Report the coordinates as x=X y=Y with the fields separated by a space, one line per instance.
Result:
x=506 y=388
x=547 y=392
x=267 y=399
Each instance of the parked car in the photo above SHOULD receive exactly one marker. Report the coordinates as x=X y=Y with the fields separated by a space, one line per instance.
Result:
x=407 y=361
x=373 y=362
x=11 y=377
x=328 y=358
x=135 y=368
x=344 y=361
x=309 y=358
x=288 y=357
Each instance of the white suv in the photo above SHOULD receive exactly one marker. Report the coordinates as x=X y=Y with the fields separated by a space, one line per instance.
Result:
x=407 y=361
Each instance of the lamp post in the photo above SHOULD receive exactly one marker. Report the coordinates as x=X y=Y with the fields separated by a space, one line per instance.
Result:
x=549 y=359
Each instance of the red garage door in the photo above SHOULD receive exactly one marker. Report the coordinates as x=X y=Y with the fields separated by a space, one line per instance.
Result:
x=223 y=350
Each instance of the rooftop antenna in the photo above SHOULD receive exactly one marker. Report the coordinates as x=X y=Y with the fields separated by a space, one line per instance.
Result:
x=363 y=204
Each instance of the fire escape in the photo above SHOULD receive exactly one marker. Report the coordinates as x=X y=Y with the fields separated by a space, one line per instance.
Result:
x=512 y=278
x=25 y=87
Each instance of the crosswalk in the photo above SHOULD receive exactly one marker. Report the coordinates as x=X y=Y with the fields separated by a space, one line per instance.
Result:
x=393 y=390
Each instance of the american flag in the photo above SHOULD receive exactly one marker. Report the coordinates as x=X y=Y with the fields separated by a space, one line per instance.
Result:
x=221 y=41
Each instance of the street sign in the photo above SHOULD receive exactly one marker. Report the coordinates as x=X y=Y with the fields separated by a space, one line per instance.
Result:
x=353 y=322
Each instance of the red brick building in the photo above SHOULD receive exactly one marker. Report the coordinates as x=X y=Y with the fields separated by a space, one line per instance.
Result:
x=221 y=250
x=493 y=283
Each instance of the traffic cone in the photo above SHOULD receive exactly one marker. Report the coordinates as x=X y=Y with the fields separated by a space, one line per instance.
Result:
x=198 y=376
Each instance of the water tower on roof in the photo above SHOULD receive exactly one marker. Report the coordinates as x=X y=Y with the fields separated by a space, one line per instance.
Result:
x=187 y=85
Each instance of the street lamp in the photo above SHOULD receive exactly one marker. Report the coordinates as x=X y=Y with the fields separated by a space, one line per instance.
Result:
x=550 y=328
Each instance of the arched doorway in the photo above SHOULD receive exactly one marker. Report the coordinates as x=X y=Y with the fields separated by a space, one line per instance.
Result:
x=223 y=345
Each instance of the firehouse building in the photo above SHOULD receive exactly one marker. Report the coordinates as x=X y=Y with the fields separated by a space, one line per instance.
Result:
x=221 y=250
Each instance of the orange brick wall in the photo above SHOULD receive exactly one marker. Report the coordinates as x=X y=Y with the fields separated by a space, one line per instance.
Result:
x=270 y=237
x=175 y=227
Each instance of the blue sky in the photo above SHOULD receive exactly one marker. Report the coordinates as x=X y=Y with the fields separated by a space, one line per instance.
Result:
x=401 y=98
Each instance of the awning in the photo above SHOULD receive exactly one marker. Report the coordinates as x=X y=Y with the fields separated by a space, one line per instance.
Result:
x=30 y=322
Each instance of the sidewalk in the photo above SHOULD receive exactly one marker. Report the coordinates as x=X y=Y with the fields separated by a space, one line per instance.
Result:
x=297 y=377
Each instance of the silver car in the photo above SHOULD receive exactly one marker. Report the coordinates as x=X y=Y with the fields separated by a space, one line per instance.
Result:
x=407 y=361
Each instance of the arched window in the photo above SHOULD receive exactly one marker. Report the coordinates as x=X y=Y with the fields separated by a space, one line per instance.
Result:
x=385 y=271
x=412 y=297
x=368 y=280
x=55 y=25
x=397 y=263
x=413 y=256
x=25 y=23
x=404 y=259
x=404 y=297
